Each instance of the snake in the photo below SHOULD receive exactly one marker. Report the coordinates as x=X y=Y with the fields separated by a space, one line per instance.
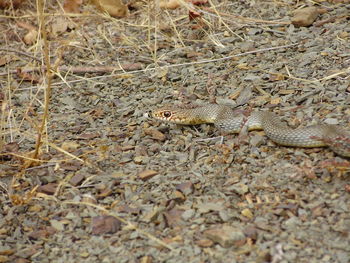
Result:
x=231 y=120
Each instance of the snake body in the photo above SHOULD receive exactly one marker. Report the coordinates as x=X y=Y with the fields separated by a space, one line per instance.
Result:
x=229 y=120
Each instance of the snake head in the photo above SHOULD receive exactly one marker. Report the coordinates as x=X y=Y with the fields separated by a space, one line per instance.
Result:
x=169 y=115
x=178 y=116
x=163 y=114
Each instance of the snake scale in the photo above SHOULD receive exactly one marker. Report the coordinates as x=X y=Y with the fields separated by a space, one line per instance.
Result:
x=229 y=120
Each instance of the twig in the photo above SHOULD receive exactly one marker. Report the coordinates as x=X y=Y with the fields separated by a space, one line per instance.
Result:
x=49 y=76
x=189 y=63
x=77 y=70
x=21 y=53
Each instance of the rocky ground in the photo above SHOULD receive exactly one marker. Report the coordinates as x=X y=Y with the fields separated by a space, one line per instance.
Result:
x=115 y=186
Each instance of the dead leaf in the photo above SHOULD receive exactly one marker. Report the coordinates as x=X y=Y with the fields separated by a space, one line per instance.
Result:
x=146 y=259
x=12 y=147
x=96 y=113
x=27 y=26
x=105 y=225
x=347 y=188
x=10 y=3
x=173 y=217
x=128 y=209
x=7 y=252
x=226 y=236
x=186 y=187
x=105 y=192
x=30 y=37
x=205 y=243
x=275 y=101
x=32 y=34
x=251 y=232
x=147 y=174
x=27 y=76
x=69 y=146
x=276 y=77
x=157 y=135
x=42 y=233
x=169 y=4
x=114 y=8
x=4 y=60
x=72 y=6
x=58 y=26
x=193 y=14
x=198 y=2
x=173 y=4
x=247 y=213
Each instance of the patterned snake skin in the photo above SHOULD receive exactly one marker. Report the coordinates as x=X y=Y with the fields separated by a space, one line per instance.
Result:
x=228 y=120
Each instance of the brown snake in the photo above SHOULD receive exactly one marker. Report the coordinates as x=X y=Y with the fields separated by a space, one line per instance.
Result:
x=229 y=120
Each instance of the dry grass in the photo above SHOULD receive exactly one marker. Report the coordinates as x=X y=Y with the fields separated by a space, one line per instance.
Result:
x=43 y=59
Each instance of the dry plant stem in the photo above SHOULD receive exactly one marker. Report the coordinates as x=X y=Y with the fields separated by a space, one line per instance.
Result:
x=49 y=75
x=221 y=21
x=21 y=53
x=186 y=63
x=80 y=70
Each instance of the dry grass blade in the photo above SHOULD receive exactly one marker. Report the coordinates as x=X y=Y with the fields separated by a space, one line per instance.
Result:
x=49 y=76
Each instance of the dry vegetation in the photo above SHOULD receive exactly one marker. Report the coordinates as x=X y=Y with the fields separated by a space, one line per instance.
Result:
x=77 y=161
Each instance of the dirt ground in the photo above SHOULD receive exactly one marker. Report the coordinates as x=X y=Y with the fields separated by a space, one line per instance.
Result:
x=115 y=186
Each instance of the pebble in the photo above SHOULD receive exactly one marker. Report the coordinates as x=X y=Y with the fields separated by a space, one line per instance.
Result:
x=305 y=16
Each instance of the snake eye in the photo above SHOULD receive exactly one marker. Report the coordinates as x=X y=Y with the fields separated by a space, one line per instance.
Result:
x=167 y=114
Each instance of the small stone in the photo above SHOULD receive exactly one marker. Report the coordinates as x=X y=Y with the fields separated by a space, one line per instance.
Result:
x=76 y=179
x=275 y=101
x=48 y=189
x=22 y=260
x=139 y=159
x=292 y=222
x=257 y=140
x=240 y=189
x=57 y=225
x=226 y=236
x=247 y=213
x=69 y=146
x=331 y=121
x=186 y=188
x=251 y=232
x=35 y=208
x=305 y=16
x=188 y=214
x=173 y=217
x=152 y=216
x=155 y=134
